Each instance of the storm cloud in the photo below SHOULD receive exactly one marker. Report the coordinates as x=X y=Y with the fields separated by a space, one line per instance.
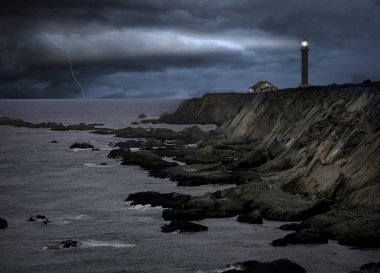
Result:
x=178 y=48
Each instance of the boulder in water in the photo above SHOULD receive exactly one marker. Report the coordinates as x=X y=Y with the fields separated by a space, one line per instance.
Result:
x=304 y=236
x=39 y=218
x=276 y=266
x=184 y=214
x=294 y=226
x=3 y=223
x=253 y=217
x=64 y=244
x=166 y=200
x=81 y=146
x=118 y=153
x=182 y=226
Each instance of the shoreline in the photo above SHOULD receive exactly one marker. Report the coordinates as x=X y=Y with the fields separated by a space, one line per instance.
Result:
x=268 y=181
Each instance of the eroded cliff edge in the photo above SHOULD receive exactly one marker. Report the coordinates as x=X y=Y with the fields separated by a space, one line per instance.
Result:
x=316 y=144
x=210 y=109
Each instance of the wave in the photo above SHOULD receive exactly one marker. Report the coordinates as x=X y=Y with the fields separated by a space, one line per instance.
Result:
x=171 y=159
x=116 y=244
x=107 y=149
x=230 y=267
x=94 y=165
x=89 y=164
x=69 y=219
x=79 y=150
x=142 y=207
x=79 y=217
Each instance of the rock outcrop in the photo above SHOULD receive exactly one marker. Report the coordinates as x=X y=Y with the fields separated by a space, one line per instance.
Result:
x=3 y=223
x=372 y=267
x=81 y=146
x=51 y=125
x=276 y=266
x=182 y=226
x=39 y=218
x=305 y=236
x=64 y=244
x=253 y=217
x=165 y=200
x=210 y=109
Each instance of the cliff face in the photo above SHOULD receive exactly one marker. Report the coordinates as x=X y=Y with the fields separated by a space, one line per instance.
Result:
x=322 y=142
x=210 y=109
x=328 y=137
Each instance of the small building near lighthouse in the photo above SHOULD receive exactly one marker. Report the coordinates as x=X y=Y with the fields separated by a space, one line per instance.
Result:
x=262 y=86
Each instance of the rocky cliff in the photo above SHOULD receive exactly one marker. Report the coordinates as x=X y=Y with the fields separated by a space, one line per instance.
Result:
x=315 y=143
x=329 y=138
x=210 y=109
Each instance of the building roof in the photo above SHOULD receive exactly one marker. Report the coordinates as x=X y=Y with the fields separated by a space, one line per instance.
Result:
x=261 y=83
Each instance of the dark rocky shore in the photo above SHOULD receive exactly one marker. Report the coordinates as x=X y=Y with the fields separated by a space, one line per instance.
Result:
x=51 y=125
x=306 y=154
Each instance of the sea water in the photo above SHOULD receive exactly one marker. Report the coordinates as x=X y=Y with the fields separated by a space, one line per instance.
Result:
x=84 y=200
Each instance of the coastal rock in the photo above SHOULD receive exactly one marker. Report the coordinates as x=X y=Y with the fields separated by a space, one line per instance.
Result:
x=275 y=148
x=3 y=223
x=210 y=109
x=195 y=176
x=51 y=125
x=142 y=115
x=221 y=154
x=81 y=146
x=118 y=153
x=147 y=160
x=39 y=218
x=202 y=207
x=166 y=200
x=354 y=228
x=150 y=121
x=173 y=151
x=64 y=244
x=101 y=131
x=272 y=203
x=182 y=226
x=276 y=266
x=294 y=226
x=54 y=141
x=253 y=160
x=372 y=267
x=304 y=236
x=142 y=144
x=253 y=217
x=183 y=214
x=192 y=134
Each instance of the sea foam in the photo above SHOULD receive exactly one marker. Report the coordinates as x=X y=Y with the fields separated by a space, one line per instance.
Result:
x=116 y=244
x=143 y=207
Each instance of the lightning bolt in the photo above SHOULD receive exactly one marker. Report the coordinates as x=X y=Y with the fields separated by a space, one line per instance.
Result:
x=71 y=64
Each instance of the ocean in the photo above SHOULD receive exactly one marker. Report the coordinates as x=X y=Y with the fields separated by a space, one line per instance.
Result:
x=84 y=200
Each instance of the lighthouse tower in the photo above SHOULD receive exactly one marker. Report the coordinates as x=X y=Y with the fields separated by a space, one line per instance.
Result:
x=304 y=63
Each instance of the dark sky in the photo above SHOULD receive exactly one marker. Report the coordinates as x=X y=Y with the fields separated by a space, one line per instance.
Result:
x=181 y=48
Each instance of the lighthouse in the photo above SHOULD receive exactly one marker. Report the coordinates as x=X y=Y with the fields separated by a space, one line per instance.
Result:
x=304 y=63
